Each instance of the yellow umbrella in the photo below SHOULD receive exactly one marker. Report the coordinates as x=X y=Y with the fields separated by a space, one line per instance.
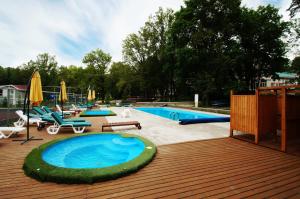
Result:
x=63 y=96
x=94 y=94
x=36 y=93
x=63 y=92
x=35 y=97
x=90 y=98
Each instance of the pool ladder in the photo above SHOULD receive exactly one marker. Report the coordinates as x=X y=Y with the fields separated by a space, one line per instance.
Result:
x=174 y=115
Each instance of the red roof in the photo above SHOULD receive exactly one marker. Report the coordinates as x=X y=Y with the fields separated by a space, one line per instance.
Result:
x=20 y=87
x=17 y=87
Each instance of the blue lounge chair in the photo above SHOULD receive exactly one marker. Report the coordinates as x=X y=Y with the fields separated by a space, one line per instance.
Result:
x=78 y=127
x=48 y=110
x=48 y=118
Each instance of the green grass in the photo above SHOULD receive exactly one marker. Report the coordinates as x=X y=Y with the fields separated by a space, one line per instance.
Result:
x=35 y=167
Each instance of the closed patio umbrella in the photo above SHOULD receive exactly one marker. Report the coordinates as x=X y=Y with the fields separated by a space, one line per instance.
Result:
x=94 y=95
x=90 y=97
x=63 y=97
x=34 y=96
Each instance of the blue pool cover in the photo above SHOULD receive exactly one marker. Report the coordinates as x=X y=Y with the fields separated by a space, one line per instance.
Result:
x=183 y=116
x=93 y=151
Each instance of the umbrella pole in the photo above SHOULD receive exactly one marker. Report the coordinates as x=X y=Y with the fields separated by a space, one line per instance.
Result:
x=27 y=94
x=62 y=104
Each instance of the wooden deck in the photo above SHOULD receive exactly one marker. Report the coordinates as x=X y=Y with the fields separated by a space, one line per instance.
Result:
x=217 y=168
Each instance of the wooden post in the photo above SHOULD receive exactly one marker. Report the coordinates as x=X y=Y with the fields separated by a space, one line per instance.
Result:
x=231 y=130
x=257 y=116
x=283 y=119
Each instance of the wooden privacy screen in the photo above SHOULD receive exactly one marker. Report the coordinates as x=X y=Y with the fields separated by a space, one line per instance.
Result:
x=269 y=110
x=243 y=114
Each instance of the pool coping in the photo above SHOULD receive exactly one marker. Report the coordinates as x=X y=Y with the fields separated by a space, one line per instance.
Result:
x=34 y=166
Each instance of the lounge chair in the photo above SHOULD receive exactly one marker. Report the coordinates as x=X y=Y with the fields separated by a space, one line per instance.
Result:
x=13 y=131
x=48 y=110
x=60 y=110
x=39 y=111
x=48 y=118
x=78 y=127
x=23 y=120
x=135 y=123
x=77 y=108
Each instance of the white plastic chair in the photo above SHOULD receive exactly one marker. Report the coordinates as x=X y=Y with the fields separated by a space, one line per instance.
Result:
x=60 y=111
x=126 y=113
x=23 y=120
x=13 y=131
x=75 y=108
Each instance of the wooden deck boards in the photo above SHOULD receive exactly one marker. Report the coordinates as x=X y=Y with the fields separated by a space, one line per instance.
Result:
x=220 y=168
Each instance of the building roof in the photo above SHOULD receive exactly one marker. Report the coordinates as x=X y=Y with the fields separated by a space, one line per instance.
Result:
x=17 y=87
x=287 y=75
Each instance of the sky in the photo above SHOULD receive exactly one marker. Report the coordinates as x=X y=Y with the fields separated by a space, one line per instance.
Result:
x=69 y=29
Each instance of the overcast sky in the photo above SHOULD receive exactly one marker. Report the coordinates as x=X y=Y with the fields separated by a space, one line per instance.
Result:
x=70 y=29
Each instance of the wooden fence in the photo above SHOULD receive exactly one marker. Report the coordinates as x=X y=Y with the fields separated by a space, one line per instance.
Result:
x=269 y=110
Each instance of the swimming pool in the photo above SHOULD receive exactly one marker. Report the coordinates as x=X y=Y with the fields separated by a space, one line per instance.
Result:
x=93 y=151
x=89 y=158
x=184 y=116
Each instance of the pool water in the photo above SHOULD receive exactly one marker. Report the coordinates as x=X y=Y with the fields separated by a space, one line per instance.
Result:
x=176 y=114
x=93 y=151
x=97 y=112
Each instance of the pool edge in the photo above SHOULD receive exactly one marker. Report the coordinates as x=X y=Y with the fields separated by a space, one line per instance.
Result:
x=34 y=166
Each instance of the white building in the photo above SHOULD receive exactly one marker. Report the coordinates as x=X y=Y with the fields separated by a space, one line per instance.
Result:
x=284 y=78
x=14 y=94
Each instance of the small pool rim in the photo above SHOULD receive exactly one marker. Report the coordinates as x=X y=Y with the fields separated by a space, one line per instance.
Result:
x=35 y=167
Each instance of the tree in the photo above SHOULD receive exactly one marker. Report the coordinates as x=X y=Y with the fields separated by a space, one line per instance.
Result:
x=145 y=53
x=97 y=62
x=294 y=7
x=295 y=67
x=203 y=38
x=121 y=81
x=47 y=67
x=262 y=51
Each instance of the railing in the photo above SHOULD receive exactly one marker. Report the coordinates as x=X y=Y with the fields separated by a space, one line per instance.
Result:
x=174 y=116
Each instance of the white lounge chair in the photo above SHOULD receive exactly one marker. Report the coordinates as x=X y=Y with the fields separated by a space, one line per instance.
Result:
x=23 y=120
x=78 y=127
x=13 y=131
x=60 y=111
x=76 y=108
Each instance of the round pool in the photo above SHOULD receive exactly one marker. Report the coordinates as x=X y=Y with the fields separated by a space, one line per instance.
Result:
x=93 y=151
x=88 y=158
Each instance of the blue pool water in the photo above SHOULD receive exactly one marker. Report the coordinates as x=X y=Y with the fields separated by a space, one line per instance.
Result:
x=183 y=115
x=93 y=151
x=97 y=112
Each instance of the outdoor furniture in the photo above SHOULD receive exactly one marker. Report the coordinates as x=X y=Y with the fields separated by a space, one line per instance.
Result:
x=77 y=109
x=126 y=113
x=23 y=120
x=48 y=118
x=39 y=111
x=129 y=123
x=78 y=127
x=13 y=131
x=61 y=111
x=48 y=110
